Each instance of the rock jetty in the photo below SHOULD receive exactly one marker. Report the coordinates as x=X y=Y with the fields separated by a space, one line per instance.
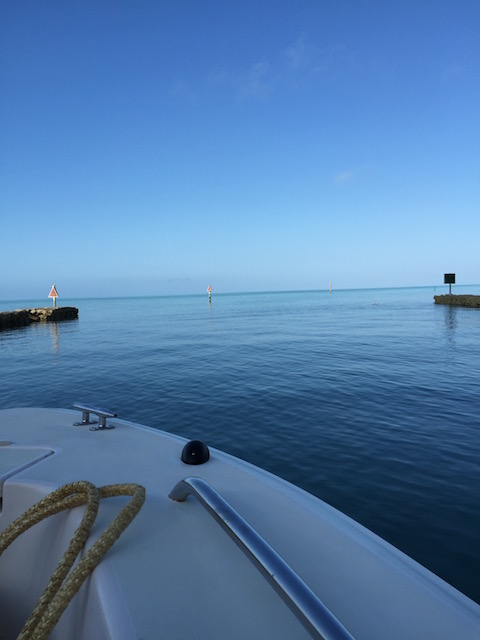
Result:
x=466 y=300
x=24 y=317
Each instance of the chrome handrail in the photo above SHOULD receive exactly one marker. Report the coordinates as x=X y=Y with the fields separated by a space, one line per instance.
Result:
x=309 y=609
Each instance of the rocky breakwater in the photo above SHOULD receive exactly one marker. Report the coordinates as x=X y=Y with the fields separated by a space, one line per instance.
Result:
x=466 y=300
x=24 y=317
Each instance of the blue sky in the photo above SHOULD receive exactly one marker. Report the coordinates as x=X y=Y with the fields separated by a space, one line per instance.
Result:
x=158 y=147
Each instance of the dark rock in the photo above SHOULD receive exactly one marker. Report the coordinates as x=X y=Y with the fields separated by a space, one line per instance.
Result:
x=466 y=300
x=24 y=317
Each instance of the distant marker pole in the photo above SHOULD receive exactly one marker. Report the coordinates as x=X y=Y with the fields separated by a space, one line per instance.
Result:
x=54 y=295
x=209 y=293
x=449 y=278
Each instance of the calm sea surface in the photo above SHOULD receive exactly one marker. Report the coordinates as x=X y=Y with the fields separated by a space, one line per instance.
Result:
x=370 y=399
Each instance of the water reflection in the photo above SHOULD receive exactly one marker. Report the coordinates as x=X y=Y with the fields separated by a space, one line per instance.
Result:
x=54 y=334
x=62 y=328
x=451 y=331
x=451 y=317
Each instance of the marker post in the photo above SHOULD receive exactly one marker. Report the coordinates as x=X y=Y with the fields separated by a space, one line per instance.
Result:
x=449 y=278
x=54 y=295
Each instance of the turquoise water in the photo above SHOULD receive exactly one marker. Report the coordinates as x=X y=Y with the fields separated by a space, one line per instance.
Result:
x=369 y=398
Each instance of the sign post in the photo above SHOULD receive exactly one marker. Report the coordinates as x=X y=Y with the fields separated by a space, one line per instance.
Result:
x=449 y=278
x=54 y=295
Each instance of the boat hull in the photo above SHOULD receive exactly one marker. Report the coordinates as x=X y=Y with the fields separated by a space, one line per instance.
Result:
x=175 y=573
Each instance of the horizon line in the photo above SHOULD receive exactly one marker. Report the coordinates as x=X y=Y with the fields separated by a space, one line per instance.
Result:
x=243 y=292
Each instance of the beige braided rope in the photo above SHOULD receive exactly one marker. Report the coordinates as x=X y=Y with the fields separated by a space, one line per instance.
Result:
x=62 y=587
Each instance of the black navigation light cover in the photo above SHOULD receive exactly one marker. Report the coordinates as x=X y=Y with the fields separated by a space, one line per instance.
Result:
x=195 y=452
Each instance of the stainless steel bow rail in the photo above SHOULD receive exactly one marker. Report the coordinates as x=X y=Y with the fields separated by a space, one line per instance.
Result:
x=102 y=414
x=309 y=609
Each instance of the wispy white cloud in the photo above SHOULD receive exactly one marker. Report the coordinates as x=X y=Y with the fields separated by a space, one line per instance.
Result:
x=299 y=54
x=256 y=82
x=295 y=63
x=302 y=56
x=361 y=172
x=344 y=176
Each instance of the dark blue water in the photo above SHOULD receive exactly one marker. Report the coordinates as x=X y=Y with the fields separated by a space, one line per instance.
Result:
x=368 y=399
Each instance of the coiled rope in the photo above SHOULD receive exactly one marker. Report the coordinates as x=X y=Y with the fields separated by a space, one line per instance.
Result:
x=62 y=587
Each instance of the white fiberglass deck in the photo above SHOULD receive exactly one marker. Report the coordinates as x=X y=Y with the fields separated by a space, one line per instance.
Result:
x=175 y=573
